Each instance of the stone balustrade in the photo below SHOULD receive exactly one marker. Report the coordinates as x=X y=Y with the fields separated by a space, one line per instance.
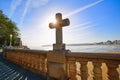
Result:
x=33 y=60
x=93 y=66
x=76 y=65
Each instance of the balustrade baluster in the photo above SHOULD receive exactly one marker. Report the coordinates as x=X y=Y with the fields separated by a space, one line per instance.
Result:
x=32 y=62
x=72 y=70
x=27 y=60
x=21 y=59
x=25 y=55
x=36 y=62
x=112 y=71
x=97 y=70
x=40 y=63
x=43 y=64
x=84 y=70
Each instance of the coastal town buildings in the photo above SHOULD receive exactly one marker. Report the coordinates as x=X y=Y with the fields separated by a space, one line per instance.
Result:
x=109 y=42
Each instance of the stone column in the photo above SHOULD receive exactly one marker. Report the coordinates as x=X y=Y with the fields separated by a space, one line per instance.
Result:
x=59 y=36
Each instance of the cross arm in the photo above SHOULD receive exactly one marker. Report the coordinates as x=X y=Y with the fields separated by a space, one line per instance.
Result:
x=51 y=25
x=65 y=22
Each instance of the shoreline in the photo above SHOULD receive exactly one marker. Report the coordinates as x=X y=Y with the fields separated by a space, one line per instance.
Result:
x=92 y=45
x=86 y=45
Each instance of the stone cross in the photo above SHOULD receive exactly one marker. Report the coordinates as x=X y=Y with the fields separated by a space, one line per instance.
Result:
x=59 y=46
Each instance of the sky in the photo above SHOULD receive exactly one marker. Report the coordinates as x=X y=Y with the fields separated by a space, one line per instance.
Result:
x=90 y=20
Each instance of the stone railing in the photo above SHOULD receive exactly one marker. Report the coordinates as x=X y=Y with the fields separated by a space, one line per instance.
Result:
x=72 y=65
x=93 y=66
x=33 y=60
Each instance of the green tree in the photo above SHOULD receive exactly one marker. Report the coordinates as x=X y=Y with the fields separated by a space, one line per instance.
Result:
x=7 y=28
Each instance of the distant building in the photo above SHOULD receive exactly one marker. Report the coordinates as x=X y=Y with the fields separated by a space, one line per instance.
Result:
x=115 y=42
x=118 y=42
x=18 y=42
x=100 y=43
x=109 y=42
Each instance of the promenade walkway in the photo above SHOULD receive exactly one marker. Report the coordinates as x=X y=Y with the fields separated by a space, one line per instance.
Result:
x=9 y=71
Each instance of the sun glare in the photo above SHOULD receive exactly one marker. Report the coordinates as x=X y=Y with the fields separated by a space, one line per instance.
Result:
x=49 y=19
x=53 y=20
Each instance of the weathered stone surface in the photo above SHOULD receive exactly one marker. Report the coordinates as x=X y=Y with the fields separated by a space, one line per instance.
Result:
x=59 y=47
x=56 y=57
x=56 y=65
x=56 y=70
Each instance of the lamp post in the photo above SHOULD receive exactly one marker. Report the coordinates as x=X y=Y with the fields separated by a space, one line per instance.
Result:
x=10 y=40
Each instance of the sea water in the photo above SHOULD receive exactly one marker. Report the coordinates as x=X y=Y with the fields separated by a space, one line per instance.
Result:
x=87 y=48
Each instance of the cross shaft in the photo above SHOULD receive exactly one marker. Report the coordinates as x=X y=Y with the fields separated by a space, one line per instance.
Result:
x=58 y=25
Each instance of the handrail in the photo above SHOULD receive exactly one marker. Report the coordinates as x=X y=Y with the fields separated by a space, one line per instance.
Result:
x=100 y=55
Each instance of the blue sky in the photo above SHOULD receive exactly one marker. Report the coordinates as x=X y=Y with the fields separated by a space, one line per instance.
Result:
x=90 y=20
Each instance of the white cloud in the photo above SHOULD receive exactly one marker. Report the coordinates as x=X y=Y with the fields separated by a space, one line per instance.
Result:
x=14 y=5
x=83 y=8
x=32 y=4
x=37 y=3
x=25 y=10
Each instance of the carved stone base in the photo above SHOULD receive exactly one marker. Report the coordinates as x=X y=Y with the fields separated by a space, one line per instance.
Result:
x=59 y=47
x=56 y=66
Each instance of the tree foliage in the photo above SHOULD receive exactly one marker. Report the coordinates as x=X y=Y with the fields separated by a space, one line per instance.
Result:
x=7 y=28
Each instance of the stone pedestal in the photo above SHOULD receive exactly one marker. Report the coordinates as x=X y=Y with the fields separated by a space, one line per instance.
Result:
x=56 y=65
x=59 y=47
